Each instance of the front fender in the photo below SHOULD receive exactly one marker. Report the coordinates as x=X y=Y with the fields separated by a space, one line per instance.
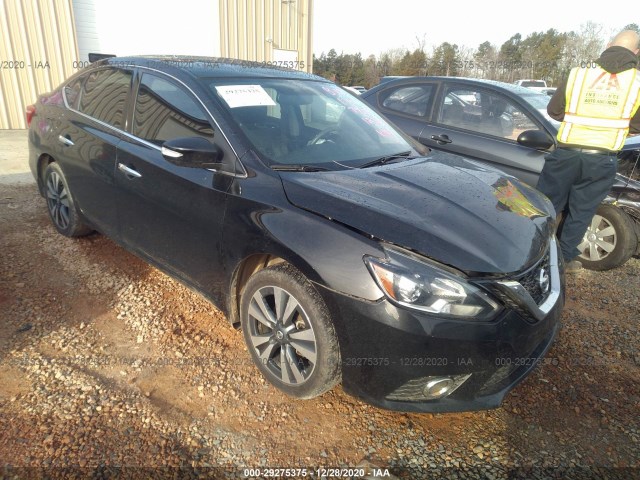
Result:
x=331 y=253
x=326 y=252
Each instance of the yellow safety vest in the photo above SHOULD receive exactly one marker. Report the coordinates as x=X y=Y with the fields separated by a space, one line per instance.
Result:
x=599 y=107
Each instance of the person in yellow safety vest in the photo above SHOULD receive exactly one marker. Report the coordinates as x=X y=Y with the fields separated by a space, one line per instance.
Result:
x=598 y=107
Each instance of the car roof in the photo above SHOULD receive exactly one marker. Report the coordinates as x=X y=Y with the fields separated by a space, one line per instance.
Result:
x=208 y=67
x=516 y=89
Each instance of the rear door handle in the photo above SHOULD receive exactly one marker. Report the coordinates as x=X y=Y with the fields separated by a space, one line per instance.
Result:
x=130 y=172
x=65 y=141
x=441 y=139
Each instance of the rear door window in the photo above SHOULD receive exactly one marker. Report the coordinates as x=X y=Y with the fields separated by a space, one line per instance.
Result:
x=413 y=100
x=104 y=95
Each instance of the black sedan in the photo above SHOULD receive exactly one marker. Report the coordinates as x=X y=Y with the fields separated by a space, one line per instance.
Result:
x=507 y=126
x=341 y=248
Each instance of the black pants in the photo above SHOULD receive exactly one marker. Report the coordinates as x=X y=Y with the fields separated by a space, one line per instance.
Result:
x=576 y=183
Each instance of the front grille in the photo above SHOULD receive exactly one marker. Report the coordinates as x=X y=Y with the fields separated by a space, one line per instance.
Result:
x=513 y=305
x=536 y=282
x=531 y=281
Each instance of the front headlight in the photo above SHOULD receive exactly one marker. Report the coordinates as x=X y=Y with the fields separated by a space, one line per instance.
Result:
x=411 y=282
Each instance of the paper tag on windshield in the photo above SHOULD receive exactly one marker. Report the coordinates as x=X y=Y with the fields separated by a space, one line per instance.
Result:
x=244 y=96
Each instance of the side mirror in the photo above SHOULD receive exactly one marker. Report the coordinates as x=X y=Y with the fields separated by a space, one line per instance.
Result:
x=194 y=152
x=536 y=139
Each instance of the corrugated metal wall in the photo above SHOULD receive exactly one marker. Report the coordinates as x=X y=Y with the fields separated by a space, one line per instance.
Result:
x=37 y=52
x=252 y=29
x=39 y=48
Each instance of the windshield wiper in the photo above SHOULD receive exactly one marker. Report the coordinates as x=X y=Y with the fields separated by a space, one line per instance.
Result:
x=298 y=168
x=387 y=159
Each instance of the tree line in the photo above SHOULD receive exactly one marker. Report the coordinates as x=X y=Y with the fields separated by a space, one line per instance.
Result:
x=541 y=55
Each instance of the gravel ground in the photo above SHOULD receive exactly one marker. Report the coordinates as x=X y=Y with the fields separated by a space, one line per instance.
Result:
x=109 y=367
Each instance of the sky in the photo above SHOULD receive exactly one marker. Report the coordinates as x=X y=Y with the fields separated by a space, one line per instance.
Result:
x=374 y=26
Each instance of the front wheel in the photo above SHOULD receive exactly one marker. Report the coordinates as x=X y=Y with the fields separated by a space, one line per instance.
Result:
x=610 y=239
x=289 y=333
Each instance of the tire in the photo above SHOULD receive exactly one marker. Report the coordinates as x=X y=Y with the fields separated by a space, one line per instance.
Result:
x=305 y=335
x=63 y=211
x=610 y=239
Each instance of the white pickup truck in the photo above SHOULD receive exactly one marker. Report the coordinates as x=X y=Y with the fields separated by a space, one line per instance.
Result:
x=537 y=85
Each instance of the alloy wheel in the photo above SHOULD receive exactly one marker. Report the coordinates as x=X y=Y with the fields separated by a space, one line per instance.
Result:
x=280 y=332
x=58 y=200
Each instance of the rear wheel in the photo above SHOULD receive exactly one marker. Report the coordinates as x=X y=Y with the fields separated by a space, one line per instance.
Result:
x=289 y=333
x=610 y=239
x=62 y=209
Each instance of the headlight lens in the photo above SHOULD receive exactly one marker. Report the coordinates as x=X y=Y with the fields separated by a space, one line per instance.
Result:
x=413 y=283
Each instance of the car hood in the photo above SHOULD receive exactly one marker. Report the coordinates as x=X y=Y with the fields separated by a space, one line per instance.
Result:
x=624 y=184
x=554 y=123
x=452 y=210
x=632 y=143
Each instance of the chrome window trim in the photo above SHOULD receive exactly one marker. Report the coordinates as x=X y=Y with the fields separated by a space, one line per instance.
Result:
x=518 y=293
x=244 y=173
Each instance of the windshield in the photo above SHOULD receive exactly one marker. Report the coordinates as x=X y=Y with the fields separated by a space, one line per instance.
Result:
x=299 y=122
x=537 y=100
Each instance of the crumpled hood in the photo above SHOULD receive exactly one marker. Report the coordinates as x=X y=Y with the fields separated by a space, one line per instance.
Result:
x=445 y=207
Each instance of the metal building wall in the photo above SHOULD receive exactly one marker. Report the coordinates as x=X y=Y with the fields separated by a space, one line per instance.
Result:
x=252 y=29
x=37 y=52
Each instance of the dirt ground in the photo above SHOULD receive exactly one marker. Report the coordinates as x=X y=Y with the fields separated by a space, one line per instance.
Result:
x=108 y=365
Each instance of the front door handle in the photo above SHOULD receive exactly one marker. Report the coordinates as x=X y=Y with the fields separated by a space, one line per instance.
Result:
x=130 y=172
x=441 y=139
x=65 y=141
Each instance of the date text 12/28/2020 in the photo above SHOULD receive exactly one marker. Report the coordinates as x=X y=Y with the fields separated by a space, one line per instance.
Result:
x=321 y=472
